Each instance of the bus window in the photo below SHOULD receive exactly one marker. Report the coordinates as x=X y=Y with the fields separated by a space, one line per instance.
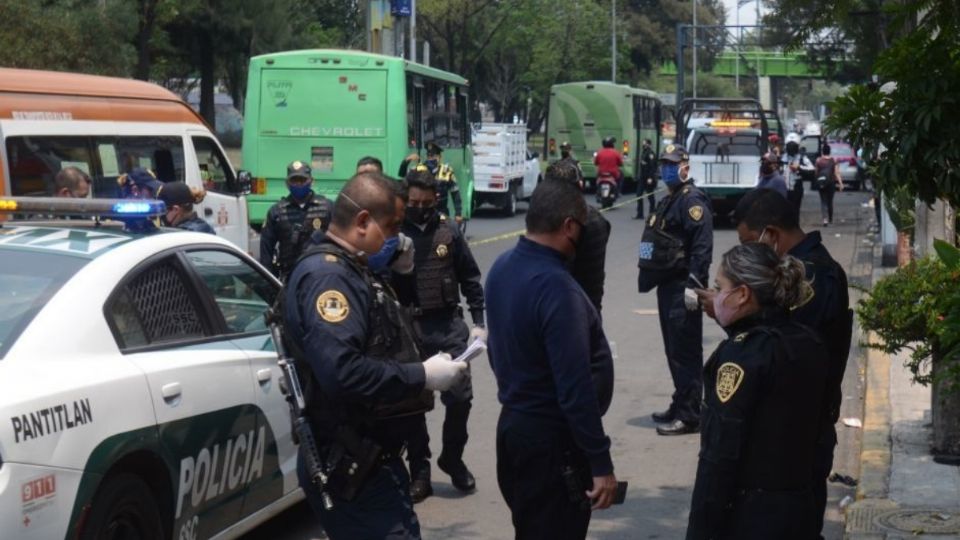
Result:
x=439 y=114
x=214 y=172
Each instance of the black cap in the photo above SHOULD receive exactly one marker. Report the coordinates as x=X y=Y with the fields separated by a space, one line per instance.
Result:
x=298 y=169
x=674 y=153
x=434 y=149
x=176 y=193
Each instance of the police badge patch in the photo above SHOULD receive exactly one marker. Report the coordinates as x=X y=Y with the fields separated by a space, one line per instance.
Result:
x=332 y=306
x=729 y=377
x=696 y=212
x=317 y=224
x=442 y=250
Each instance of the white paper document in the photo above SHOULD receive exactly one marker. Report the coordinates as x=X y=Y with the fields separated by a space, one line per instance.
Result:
x=473 y=351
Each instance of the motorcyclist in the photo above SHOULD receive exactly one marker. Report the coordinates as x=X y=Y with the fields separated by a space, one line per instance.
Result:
x=609 y=161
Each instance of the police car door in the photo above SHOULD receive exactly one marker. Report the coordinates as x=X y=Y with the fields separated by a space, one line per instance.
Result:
x=242 y=293
x=224 y=207
x=200 y=388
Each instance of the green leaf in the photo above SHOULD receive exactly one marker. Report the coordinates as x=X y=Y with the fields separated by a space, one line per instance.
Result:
x=948 y=253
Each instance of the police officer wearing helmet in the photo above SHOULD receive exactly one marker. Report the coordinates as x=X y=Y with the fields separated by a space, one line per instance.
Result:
x=179 y=199
x=363 y=375
x=675 y=254
x=442 y=264
x=798 y=169
x=764 y=392
x=291 y=221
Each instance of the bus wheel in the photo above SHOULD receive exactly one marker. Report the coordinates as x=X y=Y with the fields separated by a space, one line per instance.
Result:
x=510 y=207
x=124 y=507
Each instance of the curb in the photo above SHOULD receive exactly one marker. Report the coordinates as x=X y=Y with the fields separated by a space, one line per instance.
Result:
x=875 y=456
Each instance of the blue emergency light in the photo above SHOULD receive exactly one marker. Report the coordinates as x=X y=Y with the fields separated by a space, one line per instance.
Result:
x=44 y=207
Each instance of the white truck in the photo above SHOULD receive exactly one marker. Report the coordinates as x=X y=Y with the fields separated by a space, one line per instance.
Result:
x=503 y=171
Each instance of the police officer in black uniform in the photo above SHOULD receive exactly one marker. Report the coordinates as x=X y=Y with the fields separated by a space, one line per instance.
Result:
x=764 y=217
x=290 y=222
x=447 y=187
x=764 y=391
x=675 y=254
x=363 y=373
x=647 y=183
x=442 y=263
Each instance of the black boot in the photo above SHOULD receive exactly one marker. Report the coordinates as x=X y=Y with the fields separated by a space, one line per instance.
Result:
x=420 y=486
x=454 y=441
x=460 y=475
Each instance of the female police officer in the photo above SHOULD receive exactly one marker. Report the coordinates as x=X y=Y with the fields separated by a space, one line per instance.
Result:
x=764 y=390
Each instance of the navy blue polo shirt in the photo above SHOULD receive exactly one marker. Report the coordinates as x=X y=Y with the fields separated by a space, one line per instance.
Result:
x=544 y=334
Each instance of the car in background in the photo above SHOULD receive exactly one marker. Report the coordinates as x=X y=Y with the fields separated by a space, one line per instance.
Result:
x=846 y=158
x=139 y=378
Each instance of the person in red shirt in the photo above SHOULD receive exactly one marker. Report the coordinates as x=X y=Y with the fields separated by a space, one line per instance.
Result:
x=608 y=160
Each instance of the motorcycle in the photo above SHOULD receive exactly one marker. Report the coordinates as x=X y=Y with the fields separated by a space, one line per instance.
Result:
x=607 y=190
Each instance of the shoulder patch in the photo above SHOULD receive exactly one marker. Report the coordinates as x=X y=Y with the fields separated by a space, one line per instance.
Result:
x=729 y=377
x=696 y=212
x=317 y=224
x=332 y=306
x=442 y=250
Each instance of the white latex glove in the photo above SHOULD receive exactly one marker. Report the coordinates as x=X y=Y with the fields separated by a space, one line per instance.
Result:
x=478 y=332
x=691 y=300
x=442 y=372
x=403 y=262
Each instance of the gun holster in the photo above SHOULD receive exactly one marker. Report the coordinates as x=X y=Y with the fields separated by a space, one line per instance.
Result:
x=349 y=461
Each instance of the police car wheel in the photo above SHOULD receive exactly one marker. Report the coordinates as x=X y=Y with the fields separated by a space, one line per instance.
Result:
x=123 y=509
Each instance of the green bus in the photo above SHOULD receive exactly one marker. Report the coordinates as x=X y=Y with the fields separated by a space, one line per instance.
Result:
x=329 y=108
x=584 y=113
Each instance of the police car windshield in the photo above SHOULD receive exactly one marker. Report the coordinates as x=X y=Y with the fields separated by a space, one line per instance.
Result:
x=742 y=143
x=27 y=281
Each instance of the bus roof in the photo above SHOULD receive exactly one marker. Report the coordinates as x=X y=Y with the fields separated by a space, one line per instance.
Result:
x=28 y=81
x=308 y=58
x=606 y=85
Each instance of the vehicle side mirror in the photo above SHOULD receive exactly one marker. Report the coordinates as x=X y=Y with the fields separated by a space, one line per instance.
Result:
x=244 y=182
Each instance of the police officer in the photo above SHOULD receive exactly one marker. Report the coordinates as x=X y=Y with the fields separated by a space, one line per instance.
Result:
x=365 y=376
x=764 y=217
x=291 y=221
x=764 y=390
x=675 y=255
x=647 y=183
x=179 y=199
x=589 y=262
x=553 y=458
x=447 y=187
x=442 y=263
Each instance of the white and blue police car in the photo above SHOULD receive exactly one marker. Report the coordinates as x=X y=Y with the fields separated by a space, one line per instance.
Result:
x=139 y=388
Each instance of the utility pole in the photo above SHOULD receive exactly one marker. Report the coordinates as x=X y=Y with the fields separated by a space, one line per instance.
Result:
x=737 y=48
x=413 y=30
x=695 y=49
x=613 y=39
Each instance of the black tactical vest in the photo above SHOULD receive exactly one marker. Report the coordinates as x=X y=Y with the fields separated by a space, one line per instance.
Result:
x=435 y=272
x=296 y=225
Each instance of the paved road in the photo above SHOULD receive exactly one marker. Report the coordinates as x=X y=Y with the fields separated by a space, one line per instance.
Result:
x=660 y=469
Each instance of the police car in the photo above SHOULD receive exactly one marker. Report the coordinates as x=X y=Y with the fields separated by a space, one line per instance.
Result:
x=139 y=387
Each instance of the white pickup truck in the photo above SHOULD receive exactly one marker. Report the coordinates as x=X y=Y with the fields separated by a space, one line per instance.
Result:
x=503 y=171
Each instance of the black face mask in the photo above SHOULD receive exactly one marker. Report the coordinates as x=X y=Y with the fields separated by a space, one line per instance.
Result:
x=420 y=215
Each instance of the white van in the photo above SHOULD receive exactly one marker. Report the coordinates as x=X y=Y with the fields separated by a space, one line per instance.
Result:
x=106 y=127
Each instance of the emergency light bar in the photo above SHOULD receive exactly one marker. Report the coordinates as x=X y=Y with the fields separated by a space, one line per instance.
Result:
x=731 y=124
x=111 y=208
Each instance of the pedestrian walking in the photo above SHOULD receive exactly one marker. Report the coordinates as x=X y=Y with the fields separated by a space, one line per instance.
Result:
x=675 y=254
x=828 y=182
x=444 y=268
x=553 y=458
x=291 y=221
x=647 y=183
x=762 y=217
x=798 y=168
x=366 y=378
x=765 y=387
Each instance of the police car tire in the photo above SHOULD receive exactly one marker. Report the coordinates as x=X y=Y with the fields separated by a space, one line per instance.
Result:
x=124 y=501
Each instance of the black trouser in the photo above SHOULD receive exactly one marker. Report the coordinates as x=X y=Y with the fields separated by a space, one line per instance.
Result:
x=826 y=201
x=644 y=187
x=768 y=514
x=382 y=509
x=795 y=195
x=446 y=332
x=531 y=456
x=682 y=331
x=821 y=471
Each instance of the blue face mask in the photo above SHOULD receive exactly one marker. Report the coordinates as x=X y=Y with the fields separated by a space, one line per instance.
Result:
x=670 y=174
x=379 y=260
x=431 y=164
x=299 y=192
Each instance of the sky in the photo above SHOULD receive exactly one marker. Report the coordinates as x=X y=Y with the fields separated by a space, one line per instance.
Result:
x=748 y=13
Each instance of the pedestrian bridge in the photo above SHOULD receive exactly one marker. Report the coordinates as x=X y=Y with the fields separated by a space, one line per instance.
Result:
x=758 y=63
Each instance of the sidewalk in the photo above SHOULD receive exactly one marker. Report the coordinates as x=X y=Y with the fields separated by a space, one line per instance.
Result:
x=902 y=492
